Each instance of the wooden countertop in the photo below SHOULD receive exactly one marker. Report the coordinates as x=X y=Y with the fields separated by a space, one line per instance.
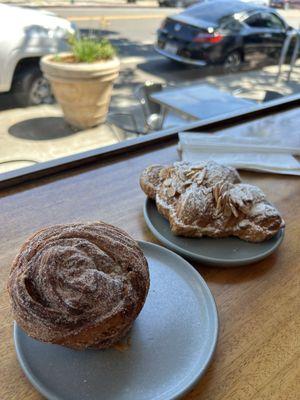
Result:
x=258 y=349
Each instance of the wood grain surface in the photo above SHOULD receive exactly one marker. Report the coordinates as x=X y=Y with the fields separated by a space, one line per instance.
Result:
x=258 y=349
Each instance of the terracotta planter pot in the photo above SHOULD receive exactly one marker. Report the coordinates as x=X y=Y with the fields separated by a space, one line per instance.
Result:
x=82 y=89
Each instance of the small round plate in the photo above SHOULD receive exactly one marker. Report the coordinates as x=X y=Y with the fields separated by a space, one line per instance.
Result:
x=227 y=252
x=172 y=343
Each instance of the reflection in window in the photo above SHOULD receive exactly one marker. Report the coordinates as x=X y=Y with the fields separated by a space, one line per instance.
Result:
x=201 y=52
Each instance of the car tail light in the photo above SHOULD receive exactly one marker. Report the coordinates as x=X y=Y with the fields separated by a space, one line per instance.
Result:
x=208 y=38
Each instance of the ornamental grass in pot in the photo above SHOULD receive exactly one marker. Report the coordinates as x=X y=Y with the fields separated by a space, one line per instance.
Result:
x=82 y=80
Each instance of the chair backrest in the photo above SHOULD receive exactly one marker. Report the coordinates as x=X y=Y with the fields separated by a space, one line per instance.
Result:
x=143 y=95
x=292 y=38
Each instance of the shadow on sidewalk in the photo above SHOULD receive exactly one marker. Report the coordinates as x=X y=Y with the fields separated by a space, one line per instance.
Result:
x=45 y=128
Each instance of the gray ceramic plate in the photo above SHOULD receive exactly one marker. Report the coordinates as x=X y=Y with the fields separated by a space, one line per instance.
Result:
x=172 y=343
x=227 y=252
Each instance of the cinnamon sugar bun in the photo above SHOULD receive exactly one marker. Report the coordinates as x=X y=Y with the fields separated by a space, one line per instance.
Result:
x=78 y=285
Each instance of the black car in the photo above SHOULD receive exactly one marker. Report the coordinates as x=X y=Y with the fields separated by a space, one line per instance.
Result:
x=223 y=32
x=176 y=3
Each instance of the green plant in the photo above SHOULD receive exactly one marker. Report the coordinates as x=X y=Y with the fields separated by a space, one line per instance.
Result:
x=90 y=50
x=57 y=58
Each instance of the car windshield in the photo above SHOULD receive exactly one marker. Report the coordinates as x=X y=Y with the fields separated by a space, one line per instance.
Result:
x=79 y=77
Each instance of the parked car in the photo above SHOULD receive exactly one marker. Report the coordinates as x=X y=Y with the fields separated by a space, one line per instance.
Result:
x=285 y=4
x=227 y=33
x=177 y=3
x=25 y=36
x=188 y=3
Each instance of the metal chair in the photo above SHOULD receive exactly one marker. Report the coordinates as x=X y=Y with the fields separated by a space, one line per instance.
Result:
x=123 y=124
x=152 y=113
x=292 y=36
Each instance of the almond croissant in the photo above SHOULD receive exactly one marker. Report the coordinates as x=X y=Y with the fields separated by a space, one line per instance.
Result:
x=209 y=199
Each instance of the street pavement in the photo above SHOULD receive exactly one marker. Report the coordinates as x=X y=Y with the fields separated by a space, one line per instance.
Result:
x=38 y=134
x=133 y=31
x=137 y=25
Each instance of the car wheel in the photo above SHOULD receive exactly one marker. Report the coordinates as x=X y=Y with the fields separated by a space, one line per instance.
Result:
x=30 y=88
x=232 y=62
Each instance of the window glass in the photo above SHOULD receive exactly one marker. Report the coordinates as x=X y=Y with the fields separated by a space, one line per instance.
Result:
x=273 y=22
x=173 y=64
x=264 y=20
x=256 y=21
x=230 y=23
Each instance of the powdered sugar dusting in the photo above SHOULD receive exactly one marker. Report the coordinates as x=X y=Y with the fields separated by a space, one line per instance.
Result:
x=209 y=199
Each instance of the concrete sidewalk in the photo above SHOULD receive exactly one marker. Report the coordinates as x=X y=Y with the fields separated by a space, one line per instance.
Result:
x=38 y=134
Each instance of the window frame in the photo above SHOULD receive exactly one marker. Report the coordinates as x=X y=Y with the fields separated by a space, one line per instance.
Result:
x=21 y=175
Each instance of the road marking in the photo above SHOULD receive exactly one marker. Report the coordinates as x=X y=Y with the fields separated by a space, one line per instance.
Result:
x=145 y=43
x=113 y=17
x=137 y=60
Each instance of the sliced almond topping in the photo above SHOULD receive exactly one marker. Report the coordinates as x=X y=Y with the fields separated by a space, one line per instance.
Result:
x=201 y=177
x=164 y=173
x=234 y=210
x=223 y=187
x=170 y=191
x=227 y=210
x=217 y=214
x=190 y=173
x=216 y=192
x=219 y=204
x=245 y=208
x=196 y=168
x=168 y=182
x=187 y=183
x=182 y=175
x=225 y=197
x=231 y=203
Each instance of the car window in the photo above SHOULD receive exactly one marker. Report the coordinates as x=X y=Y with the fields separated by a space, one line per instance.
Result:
x=256 y=21
x=264 y=20
x=230 y=23
x=273 y=22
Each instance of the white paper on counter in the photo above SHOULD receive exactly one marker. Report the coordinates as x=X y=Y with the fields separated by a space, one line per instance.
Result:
x=255 y=152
